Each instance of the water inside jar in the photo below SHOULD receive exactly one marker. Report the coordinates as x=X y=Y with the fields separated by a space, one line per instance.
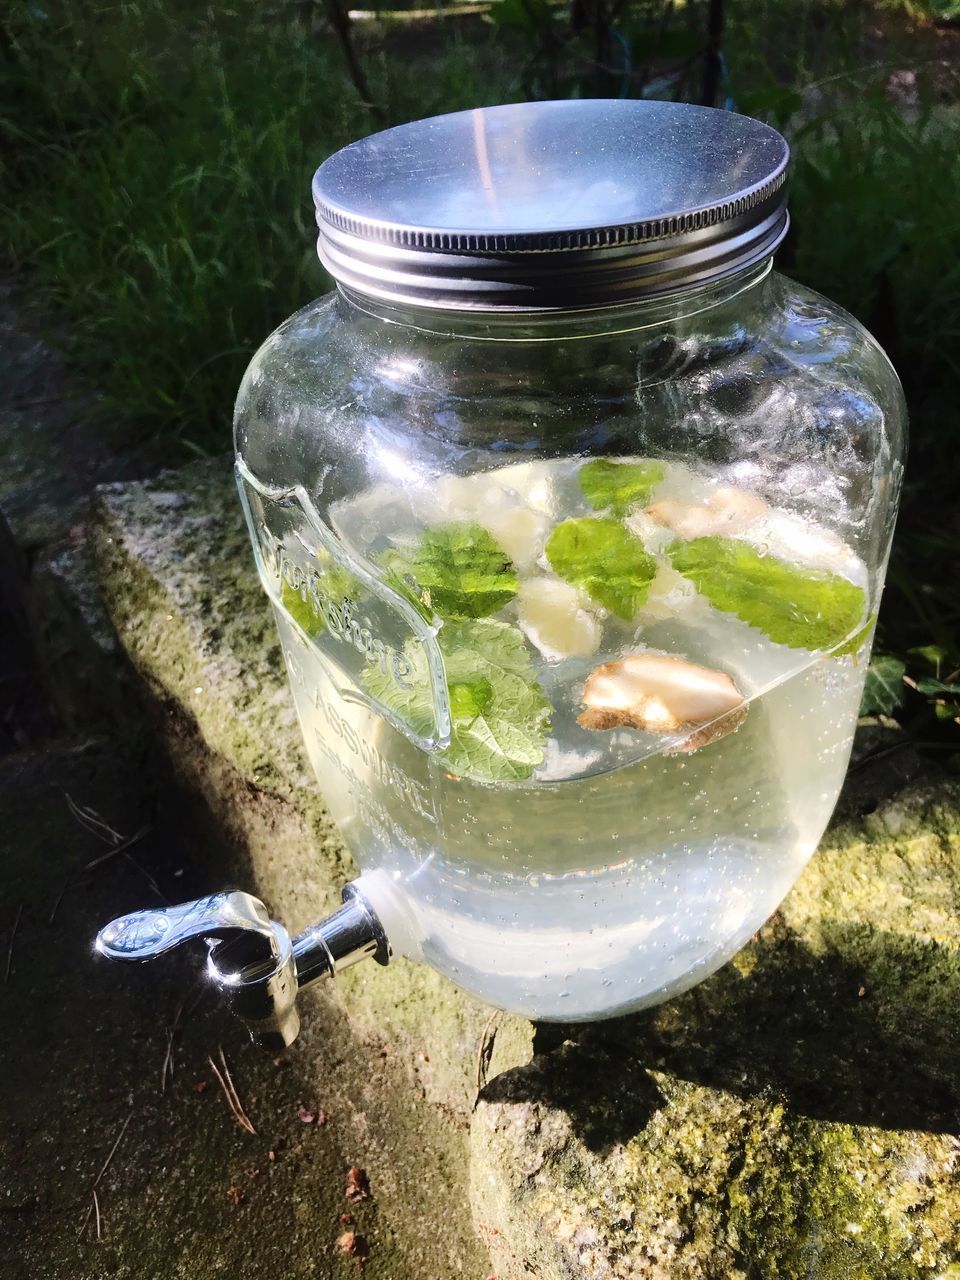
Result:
x=556 y=867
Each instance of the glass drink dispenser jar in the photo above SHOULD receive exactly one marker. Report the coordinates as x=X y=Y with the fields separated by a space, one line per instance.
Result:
x=574 y=518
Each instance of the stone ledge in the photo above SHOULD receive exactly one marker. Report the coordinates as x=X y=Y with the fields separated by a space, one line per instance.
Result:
x=799 y=1109
x=795 y=1115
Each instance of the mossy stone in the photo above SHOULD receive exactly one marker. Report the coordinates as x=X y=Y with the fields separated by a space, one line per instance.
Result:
x=796 y=1115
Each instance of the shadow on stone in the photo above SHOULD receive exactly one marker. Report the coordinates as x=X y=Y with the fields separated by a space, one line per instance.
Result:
x=863 y=1034
x=605 y=1106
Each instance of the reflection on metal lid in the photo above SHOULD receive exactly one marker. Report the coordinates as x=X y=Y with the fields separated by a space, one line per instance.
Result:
x=552 y=205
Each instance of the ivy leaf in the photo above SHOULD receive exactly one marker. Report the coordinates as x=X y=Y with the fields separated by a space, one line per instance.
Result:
x=500 y=716
x=455 y=570
x=802 y=608
x=931 y=653
x=883 y=687
x=934 y=687
x=619 y=485
x=605 y=559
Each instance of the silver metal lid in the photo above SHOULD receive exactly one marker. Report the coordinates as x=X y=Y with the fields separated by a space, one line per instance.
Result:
x=552 y=205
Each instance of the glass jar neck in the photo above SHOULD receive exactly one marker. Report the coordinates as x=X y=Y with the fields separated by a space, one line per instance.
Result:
x=553 y=326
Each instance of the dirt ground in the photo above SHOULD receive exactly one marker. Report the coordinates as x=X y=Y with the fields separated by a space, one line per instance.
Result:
x=121 y=1152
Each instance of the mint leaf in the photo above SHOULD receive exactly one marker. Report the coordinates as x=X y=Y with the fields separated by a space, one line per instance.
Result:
x=455 y=570
x=600 y=555
x=333 y=583
x=883 y=687
x=471 y=699
x=619 y=485
x=500 y=716
x=802 y=608
x=304 y=612
x=852 y=647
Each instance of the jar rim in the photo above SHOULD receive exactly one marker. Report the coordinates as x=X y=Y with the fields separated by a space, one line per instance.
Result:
x=552 y=205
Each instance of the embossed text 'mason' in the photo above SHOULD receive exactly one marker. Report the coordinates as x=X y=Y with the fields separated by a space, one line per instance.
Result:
x=340 y=613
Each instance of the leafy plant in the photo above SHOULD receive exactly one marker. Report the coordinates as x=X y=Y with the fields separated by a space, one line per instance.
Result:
x=921 y=692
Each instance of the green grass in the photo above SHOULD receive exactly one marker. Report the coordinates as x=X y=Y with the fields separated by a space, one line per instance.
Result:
x=157 y=185
x=876 y=202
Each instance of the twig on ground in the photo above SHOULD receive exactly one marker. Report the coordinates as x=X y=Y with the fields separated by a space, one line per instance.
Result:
x=181 y=1016
x=485 y=1050
x=94 y=1203
x=882 y=752
x=96 y=1207
x=113 y=1150
x=92 y=821
x=230 y=1093
x=60 y=896
x=115 y=851
x=148 y=877
x=13 y=938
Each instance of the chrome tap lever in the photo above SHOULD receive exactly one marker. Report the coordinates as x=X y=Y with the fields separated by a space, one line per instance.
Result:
x=251 y=959
x=143 y=935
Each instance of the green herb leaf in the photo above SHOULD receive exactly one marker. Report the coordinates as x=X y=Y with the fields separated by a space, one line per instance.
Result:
x=600 y=555
x=470 y=700
x=802 y=608
x=456 y=571
x=500 y=716
x=619 y=485
x=333 y=583
x=304 y=612
x=856 y=642
x=883 y=687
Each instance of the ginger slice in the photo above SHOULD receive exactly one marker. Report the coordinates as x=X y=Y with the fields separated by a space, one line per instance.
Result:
x=665 y=695
x=726 y=511
x=553 y=618
x=521 y=531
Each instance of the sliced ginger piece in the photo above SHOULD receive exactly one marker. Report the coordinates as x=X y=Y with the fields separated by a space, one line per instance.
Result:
x=726 y=511
x=553 y=618
x=665 y=695
x=521 y=531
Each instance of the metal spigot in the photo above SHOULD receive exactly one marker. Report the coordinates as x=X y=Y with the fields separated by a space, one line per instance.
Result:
x=251 y=959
